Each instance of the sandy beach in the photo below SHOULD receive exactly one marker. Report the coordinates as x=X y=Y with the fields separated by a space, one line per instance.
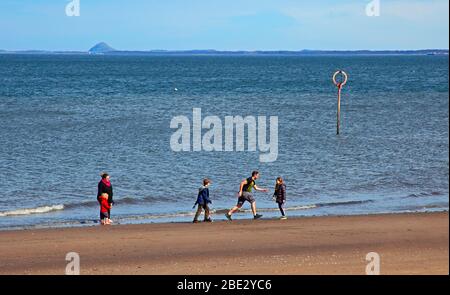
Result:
x=406 y=243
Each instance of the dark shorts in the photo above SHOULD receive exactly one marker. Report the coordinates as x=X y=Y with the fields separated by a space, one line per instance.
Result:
x=104 y=215
x=246 y=196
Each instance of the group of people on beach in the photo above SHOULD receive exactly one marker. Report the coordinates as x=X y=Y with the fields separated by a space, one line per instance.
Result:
x=105 y=198
x=244 y=195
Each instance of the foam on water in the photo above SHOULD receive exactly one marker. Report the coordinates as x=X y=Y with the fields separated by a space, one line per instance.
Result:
x=29 y=211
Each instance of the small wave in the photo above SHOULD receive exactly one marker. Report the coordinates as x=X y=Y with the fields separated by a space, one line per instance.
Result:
x=136 y=201
x=424 y=195
x=344 y=203
x=37 y=210
x=442 y=205
x=312 y=206
x=82 y=205
x=122 y=201
x=157 y=216
x=293 y=208
x=305 y=207
x=299 y=207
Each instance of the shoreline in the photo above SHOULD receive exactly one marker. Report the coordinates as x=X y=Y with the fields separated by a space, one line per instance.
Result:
x=408 y=243
x=246 y=213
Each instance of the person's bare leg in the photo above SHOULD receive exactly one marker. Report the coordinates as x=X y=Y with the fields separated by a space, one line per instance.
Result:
x=234 y=209
x=254 y=208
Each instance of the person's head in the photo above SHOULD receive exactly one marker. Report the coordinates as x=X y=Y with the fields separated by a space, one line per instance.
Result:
x=255 y=174
x=206 y=182
x=280 y=180
x=104 y=196
x=104 y=175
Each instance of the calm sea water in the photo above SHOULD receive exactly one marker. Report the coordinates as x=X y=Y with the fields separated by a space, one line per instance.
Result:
x=64 y=119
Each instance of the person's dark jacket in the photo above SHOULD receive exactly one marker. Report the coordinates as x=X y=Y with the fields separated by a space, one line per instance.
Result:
x=280 y=193
x=203 y=196
x=103 y=188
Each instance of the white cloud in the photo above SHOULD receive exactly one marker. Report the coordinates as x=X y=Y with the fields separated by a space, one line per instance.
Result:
x=417 y=11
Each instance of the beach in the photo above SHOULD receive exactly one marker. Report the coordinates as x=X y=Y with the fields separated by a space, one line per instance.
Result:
x=409 y=243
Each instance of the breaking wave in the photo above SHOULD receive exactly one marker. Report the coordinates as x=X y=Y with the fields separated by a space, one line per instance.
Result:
x=29 y=211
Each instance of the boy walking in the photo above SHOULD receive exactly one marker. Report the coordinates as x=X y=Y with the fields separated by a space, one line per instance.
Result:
x=203 y=201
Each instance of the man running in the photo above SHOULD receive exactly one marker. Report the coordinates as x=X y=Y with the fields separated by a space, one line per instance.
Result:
x=245 y=194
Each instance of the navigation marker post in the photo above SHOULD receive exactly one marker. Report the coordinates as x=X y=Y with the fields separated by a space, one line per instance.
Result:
x=339 y=86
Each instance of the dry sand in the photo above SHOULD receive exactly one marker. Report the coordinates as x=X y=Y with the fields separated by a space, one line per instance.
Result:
x=406 y=243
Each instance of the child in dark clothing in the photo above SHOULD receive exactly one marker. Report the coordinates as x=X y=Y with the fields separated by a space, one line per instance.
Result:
x=203 y=201
x=280 y=196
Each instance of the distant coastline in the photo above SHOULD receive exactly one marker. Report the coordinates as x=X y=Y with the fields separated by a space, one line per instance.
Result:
x=104 y=49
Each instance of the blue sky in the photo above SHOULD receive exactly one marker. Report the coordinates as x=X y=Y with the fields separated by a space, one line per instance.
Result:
x=224 y=24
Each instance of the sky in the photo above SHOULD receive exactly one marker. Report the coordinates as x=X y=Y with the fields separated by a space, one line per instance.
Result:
x=225 y=24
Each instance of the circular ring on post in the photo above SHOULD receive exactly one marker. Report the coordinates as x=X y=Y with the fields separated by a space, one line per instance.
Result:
x=344 y=74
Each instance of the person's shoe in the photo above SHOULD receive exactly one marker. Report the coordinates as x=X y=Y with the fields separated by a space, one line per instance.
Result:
x=194 y=221
x=228 y=216
x=257 y=216
x=283 y=218
x=208 y=220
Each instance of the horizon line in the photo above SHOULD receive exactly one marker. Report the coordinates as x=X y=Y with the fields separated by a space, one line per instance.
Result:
x=225 y=50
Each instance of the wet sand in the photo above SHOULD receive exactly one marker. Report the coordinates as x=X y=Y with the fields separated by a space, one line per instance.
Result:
x=407 y=244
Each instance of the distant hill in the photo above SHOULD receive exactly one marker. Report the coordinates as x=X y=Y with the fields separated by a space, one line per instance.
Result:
x=101 y=48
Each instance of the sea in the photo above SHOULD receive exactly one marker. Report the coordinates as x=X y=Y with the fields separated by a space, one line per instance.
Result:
x=64 y=119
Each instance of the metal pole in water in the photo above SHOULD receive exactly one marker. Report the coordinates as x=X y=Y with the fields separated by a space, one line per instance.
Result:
x=338 y=124
x=339 y=86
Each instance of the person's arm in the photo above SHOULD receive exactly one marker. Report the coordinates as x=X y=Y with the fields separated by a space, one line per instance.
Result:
x=259 y=189
x=107 y=205
x=110 y=197
x=244 y=182
x=100 y=189
x=207 y=199
x=283 y=193
x=99 y=192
